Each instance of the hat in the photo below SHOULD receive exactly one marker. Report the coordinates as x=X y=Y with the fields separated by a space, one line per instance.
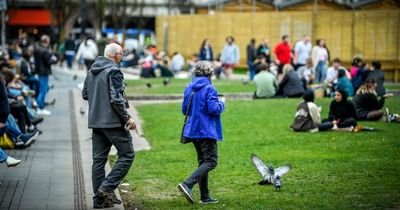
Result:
x=204 y=68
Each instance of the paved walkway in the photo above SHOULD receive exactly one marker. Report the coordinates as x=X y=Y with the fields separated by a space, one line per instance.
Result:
x=55 y=172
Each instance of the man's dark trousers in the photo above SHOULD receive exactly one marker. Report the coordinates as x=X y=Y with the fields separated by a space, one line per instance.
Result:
x=102 y=140
x=207 y=157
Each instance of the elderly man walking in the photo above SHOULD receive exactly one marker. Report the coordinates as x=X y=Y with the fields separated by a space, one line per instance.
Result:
x=109 y=119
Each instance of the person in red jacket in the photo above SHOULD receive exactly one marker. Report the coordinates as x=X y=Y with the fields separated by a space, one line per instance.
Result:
x=283 y=52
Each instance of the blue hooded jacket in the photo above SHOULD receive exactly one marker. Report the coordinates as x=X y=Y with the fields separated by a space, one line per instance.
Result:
x=204 y=121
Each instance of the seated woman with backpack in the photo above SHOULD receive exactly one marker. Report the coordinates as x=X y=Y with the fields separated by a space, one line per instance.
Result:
x=342 y=113
x=308 y=114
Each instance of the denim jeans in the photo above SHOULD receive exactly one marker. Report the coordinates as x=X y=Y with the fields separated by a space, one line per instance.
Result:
x=44 y=88
x=70 y=59
x=252 y=70
x=3 y=155
x=320 y=72
x=33 y=83
x=12 y=128
x=207 y=157
x=102 y=140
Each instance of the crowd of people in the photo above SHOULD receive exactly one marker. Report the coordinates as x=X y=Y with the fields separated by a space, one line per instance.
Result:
x=24 y=83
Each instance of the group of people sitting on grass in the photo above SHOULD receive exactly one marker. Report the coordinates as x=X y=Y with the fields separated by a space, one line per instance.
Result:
x=21 y=99
x=291 y=82
x=343 y=113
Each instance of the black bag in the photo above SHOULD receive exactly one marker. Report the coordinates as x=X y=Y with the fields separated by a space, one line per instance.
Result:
x=185 y=140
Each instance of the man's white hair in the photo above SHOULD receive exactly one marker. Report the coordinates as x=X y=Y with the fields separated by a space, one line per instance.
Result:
x=112 y=49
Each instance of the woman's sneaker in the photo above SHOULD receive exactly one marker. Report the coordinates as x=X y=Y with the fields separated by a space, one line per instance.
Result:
x=210 y=200
x=11 y=162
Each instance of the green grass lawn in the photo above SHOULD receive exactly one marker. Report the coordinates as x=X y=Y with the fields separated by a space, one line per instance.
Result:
x=178 y=85
x=331 y=170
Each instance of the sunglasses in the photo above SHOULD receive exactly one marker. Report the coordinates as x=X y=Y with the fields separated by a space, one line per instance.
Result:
x=123 y=54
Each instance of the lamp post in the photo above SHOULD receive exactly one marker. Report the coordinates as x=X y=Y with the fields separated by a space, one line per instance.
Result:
x=83 y=15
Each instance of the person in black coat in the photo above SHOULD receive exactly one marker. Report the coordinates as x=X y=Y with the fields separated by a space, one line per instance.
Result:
x=4 y=107
x=251 y=57
x=264 y=51
x=377 y=73
x=342 y=113
x=367 y=103
x=291 y=85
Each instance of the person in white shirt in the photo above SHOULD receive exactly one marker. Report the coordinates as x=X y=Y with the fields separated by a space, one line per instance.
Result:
x=320 y=57
x=306 y=73
x=89 y=51
x=302 y=51
x=177 y=62
x=332 y=72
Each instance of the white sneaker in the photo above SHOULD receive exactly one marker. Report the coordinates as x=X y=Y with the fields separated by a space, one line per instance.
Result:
x=43 y=112
x=11 y=162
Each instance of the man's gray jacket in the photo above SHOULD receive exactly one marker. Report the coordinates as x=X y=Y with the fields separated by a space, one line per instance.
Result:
x=104 y=90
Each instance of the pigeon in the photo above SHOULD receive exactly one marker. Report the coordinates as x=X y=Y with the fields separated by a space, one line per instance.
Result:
x=271 y=175
x=148 y=85
x=166 y=81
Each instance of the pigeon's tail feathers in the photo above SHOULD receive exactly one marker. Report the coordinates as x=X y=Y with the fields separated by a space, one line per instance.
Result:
x=282 y=170
x=265 y=182
x=260 y=166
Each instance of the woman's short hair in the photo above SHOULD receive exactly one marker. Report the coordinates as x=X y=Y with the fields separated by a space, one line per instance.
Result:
x=204 y=68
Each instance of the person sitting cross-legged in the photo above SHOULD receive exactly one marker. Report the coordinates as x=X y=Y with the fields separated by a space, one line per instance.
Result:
x=266 y=83
x=342 y=113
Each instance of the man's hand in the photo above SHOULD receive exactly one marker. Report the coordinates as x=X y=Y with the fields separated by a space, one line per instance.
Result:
x=131 y=124
x=2 y=125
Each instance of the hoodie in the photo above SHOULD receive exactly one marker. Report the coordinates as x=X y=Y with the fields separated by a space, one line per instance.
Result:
x=204 y=121
x=342 y=110
x=104 y=90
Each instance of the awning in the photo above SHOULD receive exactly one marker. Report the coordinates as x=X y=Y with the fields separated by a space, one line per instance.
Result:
x=29 y=17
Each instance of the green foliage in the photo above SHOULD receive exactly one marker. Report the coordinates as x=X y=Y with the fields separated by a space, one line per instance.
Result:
x=331 y=170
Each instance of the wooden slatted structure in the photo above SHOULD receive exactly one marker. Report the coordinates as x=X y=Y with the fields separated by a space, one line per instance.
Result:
x=371 y=34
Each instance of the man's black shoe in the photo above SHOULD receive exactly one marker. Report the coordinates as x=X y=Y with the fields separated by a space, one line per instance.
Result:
x=187 y=192
x=116 y=200
x=101 y=204
x=106 y=197
x=37 y=120
x=210 y=200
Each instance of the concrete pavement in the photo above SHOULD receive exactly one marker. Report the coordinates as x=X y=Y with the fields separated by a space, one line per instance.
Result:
x=55 y=172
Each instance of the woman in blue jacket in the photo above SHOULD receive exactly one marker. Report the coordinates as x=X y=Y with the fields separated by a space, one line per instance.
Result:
x=203 y=128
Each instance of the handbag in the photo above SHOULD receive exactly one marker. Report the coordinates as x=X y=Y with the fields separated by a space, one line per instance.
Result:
x=185 y=140
x=6 y=142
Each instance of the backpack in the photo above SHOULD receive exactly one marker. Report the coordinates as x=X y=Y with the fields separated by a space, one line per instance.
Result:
x=302 y=120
